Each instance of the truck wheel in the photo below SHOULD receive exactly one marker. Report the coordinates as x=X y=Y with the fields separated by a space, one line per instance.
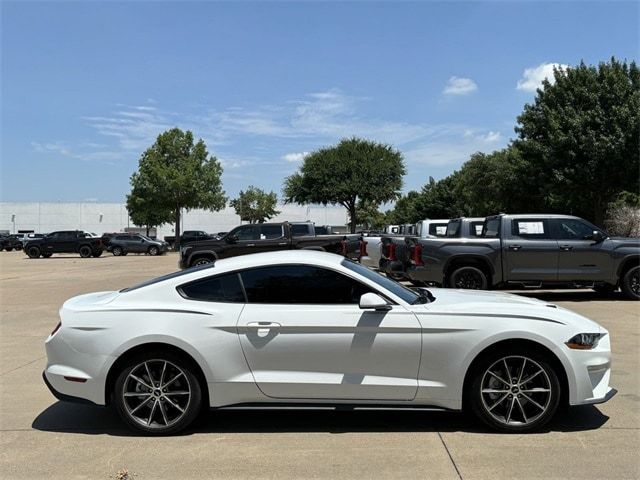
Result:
x=85 y=251
x=471 y=278
x=117 y=251
x=9 y=249
x=96 y=254
x=153 y=251
x=201 y=261
x=46 y=255
x=33 y=252
x=631 y=283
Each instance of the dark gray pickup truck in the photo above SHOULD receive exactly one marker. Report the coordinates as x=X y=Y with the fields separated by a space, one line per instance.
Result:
x=529 y=250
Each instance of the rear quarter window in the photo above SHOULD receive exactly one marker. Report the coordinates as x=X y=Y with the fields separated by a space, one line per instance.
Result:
x=220 y=288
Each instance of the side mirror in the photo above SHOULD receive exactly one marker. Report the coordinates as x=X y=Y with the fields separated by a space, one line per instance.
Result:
x=596 y=236
x=231 y=239
x=373 y=301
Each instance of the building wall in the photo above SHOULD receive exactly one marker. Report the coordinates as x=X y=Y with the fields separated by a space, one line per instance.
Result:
x=113 y=217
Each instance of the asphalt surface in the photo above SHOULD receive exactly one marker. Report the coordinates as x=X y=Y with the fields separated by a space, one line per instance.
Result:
x=43 y=438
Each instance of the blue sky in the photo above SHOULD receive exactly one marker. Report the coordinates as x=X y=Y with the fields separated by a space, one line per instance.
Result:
x=87 y=86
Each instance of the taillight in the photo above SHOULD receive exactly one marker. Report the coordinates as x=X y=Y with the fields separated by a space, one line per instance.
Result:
x=363 y=248
x=343 y=248
x=392 y=252
x=57 y=328
x=417 y=255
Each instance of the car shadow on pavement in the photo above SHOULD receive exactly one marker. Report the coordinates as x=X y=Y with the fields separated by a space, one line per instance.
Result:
x=89 y=420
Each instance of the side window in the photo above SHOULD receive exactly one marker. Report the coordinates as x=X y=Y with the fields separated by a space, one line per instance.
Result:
x=491 y=228
x=300 y=230
x=475 y=229
x=250 y=232
x=438 y=229
x=221 y=288
x=572 y=229
x=300 y=284
x=453 y=229
x=530 y=228
x=269 y=232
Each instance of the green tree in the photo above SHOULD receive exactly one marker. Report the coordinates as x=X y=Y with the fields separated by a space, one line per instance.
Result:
x=255 y=205
x=438 y=199
x=581 y=137
x=176 y=174
x=353 y=171
x=405 y=210
x=143 y=210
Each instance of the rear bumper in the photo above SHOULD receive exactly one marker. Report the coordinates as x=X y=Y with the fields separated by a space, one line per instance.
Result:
x=393 y=268
x=424 y=274
x=63 y=397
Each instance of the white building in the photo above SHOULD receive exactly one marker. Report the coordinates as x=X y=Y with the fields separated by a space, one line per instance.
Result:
x=41 y=217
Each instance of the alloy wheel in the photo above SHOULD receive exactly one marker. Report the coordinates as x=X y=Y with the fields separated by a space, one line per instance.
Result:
x=516 y=391
x=156 y=394
x=634 y=284
x=469 y=279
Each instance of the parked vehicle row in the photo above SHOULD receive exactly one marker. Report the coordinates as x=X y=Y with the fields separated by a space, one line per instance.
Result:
x=10 y=242
x=527 y=250
x=267 y=237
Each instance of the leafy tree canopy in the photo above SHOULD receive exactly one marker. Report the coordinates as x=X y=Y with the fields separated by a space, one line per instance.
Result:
x=255 y=205
x=175 y=174
x=353 y=170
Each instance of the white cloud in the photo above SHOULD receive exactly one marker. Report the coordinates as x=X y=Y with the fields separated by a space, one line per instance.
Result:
x=459 y=86
x=295 y=157
x=533 y=77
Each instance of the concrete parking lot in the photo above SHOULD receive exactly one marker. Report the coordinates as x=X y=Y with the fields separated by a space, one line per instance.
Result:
x=41 y=437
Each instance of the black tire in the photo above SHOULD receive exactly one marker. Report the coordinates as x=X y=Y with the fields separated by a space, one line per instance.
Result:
x=201 y=261
x=630 y=283
x=153 y=251
x=468 y=277
x=9 y=249
x=85 y=251
x=18 y=247
x=156 y=398
x=117 y=251
x=514 y=411
x=46 y=255
x=33 y=252
x=96 y=254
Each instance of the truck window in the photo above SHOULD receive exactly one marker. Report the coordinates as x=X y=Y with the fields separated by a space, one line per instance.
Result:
x=491 y=228
x=533 y=228
x=268 y=232
x=453 y=228
x=300 y=230
x=572 y=229
x=475 y=229
x=250 y=232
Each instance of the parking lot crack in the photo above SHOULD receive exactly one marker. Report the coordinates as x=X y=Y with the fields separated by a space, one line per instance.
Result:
x=450 y=457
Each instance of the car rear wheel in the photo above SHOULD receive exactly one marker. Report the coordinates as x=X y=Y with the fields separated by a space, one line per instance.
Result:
x=9 y=249
x=96 y=254
x=468 y=277
x=33 y=252
x=158 y=394
x=514 y=391
x=85 y=251
x=153 y=251
x=631 y=283
x=117 y=251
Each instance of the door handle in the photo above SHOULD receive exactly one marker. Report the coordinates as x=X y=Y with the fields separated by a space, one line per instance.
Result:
x=251 y=244
x=515 y=247
x=263 y=328
x=566 y=248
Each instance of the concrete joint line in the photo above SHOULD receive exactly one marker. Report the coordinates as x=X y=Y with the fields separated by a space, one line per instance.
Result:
x=450 y=457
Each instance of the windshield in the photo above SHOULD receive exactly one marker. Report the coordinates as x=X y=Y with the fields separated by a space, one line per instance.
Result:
x=410 y=296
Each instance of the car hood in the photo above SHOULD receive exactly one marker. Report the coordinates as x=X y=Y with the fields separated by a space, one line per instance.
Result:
x=483 y=303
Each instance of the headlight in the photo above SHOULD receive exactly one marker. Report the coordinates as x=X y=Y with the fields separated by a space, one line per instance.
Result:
x=583 y=341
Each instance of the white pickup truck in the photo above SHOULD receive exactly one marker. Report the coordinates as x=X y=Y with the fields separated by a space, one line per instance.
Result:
x=423 y=229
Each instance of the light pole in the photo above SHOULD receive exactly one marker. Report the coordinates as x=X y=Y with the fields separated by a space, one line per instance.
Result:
x=13 y=220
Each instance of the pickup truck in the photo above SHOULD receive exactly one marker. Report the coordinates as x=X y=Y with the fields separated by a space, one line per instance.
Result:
x=371 y=254
x=68 y=241
x=530 y=250
x=10 y=242
x=189 y=236
x=267 y=237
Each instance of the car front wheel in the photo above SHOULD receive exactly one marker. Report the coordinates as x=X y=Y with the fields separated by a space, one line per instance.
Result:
x=33 y=252
x=514 y=392
x=85 y=251
x=631 y=283
x=158 y=394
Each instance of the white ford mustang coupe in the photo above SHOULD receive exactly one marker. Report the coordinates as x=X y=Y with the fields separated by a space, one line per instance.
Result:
x=305 y=327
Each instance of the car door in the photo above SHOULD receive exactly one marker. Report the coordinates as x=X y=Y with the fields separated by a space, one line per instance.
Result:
x=530 y=253
x=581 y=258
x=305 y=337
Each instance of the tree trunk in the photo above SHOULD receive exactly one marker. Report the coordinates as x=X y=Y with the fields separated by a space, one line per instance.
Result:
x=598 y=212
x=352 y=217
x=148 y=228
x=177 y=231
